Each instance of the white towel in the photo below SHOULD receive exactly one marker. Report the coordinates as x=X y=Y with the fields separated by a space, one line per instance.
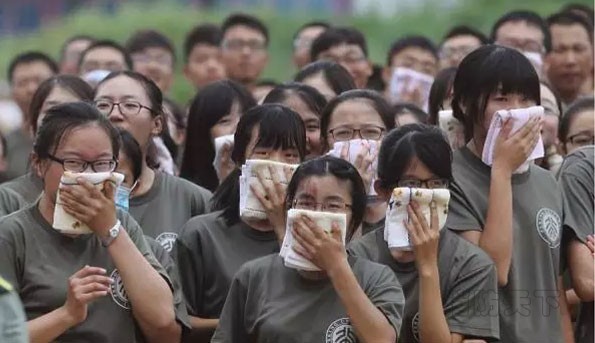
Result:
x=455 y=132
x=355 y=146
x=395 y=232
x=219 y=143
x=520 y=117
x=66 y=223
x=250 y=207
x=324 y=220
x=406 y=80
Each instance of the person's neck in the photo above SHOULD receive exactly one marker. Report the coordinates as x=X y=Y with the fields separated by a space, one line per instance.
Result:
x=569 y=97
x=46 y=208
x=259 y=225
x=476 y=147
x=145 y=181
x=313 y=275
x=375 y=212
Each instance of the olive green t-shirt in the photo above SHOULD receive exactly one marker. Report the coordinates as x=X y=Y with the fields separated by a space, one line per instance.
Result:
x=18 y=149
x=38 y=260
x=528 y=304
x=468 y=285
x=269 y=302
x=167 y=206
x=20 y=192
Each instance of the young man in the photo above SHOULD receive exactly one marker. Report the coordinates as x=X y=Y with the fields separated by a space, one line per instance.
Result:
x=244 y=48
x=154 y=56
x=70 y=53
x=202 y=53
x=346 y=46
x=570 y=61
x=457 y=43
x=525 y=31
x=302 y=41
x=104 y=55
x=25 y=73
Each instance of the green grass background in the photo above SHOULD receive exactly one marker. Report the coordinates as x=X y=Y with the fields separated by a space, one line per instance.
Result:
x=175 y=20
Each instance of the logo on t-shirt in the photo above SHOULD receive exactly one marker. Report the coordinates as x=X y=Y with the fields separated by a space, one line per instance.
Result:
x=118 y=292
x=548 y=226
x=415 y=327
x=340 y=331
x=167 y=240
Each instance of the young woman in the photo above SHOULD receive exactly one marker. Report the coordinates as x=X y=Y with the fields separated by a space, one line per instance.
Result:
x=212 y=247
x=214 y=112
x=160 y=203
x=309 y=104
x=514 y=217
x=576 y=126
x=440 y=94
x=59 y=89
x=408 y=113
x=445 y=279
x=359 y=114
x=99 y=287
x=350 y=300
x=329 y=78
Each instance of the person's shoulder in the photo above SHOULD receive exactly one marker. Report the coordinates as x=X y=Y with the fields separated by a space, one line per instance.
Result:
x=579 y=162
x=178 y=184
x=370 y=272
x=17 y=223
x=366 y=246
x=259 y=267
x=465 y=256
x=202 y=224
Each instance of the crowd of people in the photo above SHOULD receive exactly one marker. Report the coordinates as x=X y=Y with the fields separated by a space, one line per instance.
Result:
x=501 y=251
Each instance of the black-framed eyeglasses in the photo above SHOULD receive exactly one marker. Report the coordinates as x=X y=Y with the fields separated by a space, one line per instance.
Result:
x=365 y=132
x=127 y=108
x=79 y=166
x=429 y=183
x=581 y=139
x=238 y=44
x=335 y=206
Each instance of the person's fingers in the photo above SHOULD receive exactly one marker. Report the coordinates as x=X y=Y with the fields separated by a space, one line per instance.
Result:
x=288 y=173
x=434 y=216
x=414 y=222
x=304 y=232
x=88 y=297
x=298 y=248
x=88 y=270
x=360 y=158
x=412 y=230
x=82 y=216
x=90 y=288
x=506 y=128
x=316 y=231
x=420 y=217
x=259 y=193
x=278 y=193
x=91 y=189
x=109 y=190
x=336 y=232
x=345 y=151
x=95 y=278
x=303 y=243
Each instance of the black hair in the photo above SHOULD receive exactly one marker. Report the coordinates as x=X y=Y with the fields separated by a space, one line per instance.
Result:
x=176 y=112
x=3 y=151
x=266 y=83
x=72 y=40
x=342 y=170
x=571 y=18
x=376 y=81
x=403 y=108
x=61 y=119
x=336 y=36
x=556 y=96
x=485 y=71
x=373 y=98
x=144 y=39
x=336 y=76
x=105 y=43
x=464 y=30
x=241 y=19
x=424 y=142
x=577 y=107
x=420 y=42
x=315 y=23
x=133 y=152
x=153 y=92
x=208 y=34
x=210 y=104
x=529 y=17
x=440 y=90
x=30 y=57
x=70 y=83
x=278 y=128
x=580 y=9
x=309 y=95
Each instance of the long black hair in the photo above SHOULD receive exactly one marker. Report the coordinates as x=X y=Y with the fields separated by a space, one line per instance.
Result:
x=212 y=103
x=342 y=170
x=440 y=90
x=279 y=128
x=335 y=75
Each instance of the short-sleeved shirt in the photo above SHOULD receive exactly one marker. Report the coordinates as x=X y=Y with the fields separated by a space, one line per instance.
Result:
x=38 y=260
x=269 y=302
x=167 y=206
x=13 y=325
x=19 y=146
x=19 y=193
x=209 y=253
x=577 y=182
x=468 y=285
x=528 y=304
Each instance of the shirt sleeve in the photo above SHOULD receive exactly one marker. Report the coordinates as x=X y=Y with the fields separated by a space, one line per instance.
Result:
x=201 y=201
x=578 y=206
x=461 y=215
x=232 y=326
x=385 y=292
x=10 y=262
x=13 y=324
x=10 y=201
x=471 y=305
x=188 y=255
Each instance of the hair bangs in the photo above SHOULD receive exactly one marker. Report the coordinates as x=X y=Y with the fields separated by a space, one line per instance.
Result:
x=278 y=131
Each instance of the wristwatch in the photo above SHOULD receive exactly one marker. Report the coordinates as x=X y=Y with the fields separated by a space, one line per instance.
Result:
x=112 y=234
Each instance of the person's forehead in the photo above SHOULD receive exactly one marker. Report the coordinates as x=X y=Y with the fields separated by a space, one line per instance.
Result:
x=203 y=48
x=104 y=53
x=414 y=52
x=311 y=32
x=325 y=186
x=243 y=31
x=79 y=44
x=122 y=86
x=31 y=68
x=355 y=111
x=569 y=32
x=459 y=40
x=154 y=51
x=519 y=29
x=342 y=48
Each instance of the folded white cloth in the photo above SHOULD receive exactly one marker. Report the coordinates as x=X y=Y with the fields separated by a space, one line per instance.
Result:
x=406 y=80
x=66 y=223
x=250 y=207
x=219 y=143
x=395 y=232
x=163 y=157
x=324 y=220
x=355 y=146
x=455 y=132
x=520 y=117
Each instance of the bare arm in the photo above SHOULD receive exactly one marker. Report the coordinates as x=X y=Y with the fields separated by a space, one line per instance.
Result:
x=48 y=327
x=581 y=265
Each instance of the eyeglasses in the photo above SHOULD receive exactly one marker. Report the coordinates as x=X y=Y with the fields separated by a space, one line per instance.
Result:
x=238 y=44
x=429 y=183
x=347 y=59
x=159 y=59
x=335 y=206
x=581 y=139
x=127 y=108
x=526 y=46
x=365 y=132
x=79 y=166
